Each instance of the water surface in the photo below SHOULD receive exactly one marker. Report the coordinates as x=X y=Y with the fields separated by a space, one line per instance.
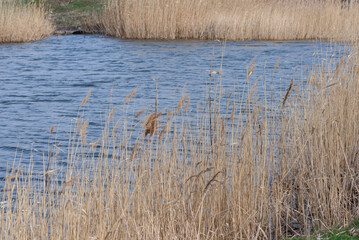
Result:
x=43 y=83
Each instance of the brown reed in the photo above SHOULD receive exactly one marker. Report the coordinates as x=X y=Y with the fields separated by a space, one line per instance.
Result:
x=230 y=19
x=23 y=22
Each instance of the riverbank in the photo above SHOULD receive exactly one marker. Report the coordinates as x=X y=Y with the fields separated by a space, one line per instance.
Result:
x=73 y=16
x=235 y=20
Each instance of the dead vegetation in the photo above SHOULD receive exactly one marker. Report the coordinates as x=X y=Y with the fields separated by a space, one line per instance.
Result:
x=23 y=22
x=254 y=171
x=230 y=19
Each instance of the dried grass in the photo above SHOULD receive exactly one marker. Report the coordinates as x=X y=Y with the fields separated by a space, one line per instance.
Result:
x=230 y=19
x=23 y=23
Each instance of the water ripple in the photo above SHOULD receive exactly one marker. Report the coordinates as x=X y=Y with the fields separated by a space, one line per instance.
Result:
x=43 y=83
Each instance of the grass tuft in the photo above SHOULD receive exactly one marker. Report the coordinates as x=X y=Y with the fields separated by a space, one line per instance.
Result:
x=21 y=22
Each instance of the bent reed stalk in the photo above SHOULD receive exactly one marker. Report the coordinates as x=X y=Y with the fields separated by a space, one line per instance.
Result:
x=255 y=176
x=21 y=22
x=230 y=19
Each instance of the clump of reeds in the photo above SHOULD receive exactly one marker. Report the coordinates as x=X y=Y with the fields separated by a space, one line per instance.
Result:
x=21 y=22
x=254 y=171
x=231 y=19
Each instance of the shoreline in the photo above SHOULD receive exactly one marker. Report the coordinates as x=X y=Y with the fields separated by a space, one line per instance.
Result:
x=71 y=30
x=78 y=30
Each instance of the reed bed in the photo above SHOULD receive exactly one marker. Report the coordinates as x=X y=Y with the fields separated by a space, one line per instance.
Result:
x=230 y=19
x=259 y=170
x=21 y=22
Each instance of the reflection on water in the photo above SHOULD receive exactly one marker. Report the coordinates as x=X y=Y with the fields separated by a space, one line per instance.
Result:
x=43 y=83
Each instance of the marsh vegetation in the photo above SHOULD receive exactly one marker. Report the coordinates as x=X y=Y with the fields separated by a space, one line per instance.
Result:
x=231 y=19
x=241 y=167
x=185 y=19
x=256 y=170
x=21 y=22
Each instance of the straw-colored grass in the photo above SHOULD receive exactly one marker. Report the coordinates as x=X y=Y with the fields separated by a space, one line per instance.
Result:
x=231 y=19
x=23 y=22
x=255 y=171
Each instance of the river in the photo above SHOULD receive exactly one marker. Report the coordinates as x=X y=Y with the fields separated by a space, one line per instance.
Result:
x=43 y=83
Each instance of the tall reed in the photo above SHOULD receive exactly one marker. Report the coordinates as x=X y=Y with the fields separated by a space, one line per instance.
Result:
x=21 y=22
x=253 y=171
x=231 y=19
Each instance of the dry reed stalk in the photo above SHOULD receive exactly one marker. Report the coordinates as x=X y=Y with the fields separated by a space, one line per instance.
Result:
x=181 y=103
x=139 y=113
x=23 y=23
x=130 y=96
x=287 y=93
x=86 y=98
x=230 y=19
x=150 y=125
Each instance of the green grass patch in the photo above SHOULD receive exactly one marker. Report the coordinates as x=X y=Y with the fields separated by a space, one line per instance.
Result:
x=337 y=233
x=67 y=13
x=76 y=6
x=73 y=12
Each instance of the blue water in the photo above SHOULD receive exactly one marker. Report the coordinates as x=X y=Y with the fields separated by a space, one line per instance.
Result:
x=43 y=83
